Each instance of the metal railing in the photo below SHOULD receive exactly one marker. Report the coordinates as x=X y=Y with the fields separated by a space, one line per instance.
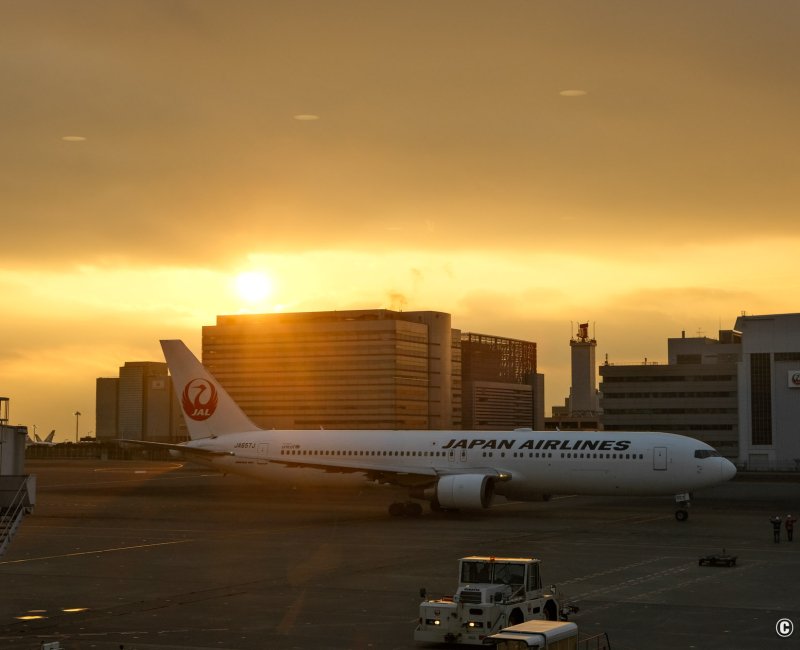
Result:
x=14 y=504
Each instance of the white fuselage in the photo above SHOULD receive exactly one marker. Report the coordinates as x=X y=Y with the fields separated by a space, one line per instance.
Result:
x=534 y=463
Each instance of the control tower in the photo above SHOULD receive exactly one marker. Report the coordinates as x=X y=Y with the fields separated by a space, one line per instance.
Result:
x=581 y=410
x=583 y=397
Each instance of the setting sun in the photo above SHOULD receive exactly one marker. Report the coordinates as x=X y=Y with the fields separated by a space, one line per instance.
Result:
x=253 y=286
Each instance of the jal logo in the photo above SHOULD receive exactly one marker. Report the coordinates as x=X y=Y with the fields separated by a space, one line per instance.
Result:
x=796 y=379
x=199 y=399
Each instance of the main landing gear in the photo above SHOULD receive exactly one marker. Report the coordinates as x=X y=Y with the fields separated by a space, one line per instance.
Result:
x=405 y=509
x=683 y=501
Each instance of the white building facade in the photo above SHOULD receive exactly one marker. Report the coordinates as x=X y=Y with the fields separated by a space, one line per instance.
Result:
x=769 y=392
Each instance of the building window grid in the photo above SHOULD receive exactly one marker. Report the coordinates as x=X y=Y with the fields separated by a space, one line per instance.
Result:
x=761 y=399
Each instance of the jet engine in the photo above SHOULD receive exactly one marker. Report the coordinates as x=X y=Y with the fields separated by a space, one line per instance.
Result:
x=465 y=491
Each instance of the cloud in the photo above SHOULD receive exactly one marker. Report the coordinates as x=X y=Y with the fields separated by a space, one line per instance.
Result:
x=191 y=151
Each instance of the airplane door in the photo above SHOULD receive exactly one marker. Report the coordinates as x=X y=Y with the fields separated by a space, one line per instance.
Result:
x=462 y=455
x=263 y=452
x=659 y=458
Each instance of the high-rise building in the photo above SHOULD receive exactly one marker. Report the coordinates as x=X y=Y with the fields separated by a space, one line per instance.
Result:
x=139 y=405
x=501 y=388
x=694 y=394
x=360 y=369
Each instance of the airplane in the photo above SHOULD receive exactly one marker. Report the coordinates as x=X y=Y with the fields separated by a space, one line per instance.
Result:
x=452 y=470
x=38 y=442
x=47 y=441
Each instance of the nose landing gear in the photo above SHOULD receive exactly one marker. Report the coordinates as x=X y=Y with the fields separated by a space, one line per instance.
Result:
x=683 y=501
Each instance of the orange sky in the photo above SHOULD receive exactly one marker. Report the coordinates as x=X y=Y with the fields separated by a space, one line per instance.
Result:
x=519 y=164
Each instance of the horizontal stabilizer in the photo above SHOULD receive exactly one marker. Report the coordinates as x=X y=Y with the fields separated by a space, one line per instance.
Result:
x=181 y=448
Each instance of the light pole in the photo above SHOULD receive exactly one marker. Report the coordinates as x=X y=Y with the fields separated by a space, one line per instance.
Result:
x=77 y=419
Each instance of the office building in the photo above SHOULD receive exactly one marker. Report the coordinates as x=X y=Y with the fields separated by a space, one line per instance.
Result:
x=359 y=369
x=694 y=394
x=138 y=405
x=501 y=388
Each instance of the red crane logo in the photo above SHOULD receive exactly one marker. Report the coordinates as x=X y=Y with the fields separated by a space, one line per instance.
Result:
x=199 y=399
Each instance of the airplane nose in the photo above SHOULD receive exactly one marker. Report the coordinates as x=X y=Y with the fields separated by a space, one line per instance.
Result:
x=727 y=469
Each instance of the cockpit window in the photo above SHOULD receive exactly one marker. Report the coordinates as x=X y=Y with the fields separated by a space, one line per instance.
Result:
x=706 y=453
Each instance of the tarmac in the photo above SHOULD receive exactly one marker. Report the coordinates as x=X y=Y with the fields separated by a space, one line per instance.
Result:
x=160 y=556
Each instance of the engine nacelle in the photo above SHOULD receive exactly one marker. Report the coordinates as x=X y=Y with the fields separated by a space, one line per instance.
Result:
x=465 y=491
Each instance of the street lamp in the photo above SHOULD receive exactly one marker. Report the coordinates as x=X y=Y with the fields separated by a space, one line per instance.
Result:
x=77 y=418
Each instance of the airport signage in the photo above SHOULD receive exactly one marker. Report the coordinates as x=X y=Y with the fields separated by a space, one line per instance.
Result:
x=794 y=379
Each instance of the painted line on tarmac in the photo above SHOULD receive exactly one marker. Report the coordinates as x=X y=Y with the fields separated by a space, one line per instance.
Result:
x=286 y=624
x=134 y=477
x=618 y=569
x=97 y=552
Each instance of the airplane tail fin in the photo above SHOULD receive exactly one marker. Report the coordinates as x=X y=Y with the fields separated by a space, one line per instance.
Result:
x=207 y=408
x=50 y=436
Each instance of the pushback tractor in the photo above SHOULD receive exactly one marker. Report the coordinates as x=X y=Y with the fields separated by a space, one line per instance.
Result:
x=493 y=593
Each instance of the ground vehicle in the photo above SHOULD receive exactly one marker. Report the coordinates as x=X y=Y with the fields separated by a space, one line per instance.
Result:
x=493 y=593
x=546 y=635
x=722 y=559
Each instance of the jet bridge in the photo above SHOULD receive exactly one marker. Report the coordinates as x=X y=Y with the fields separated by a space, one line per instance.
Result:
x=17 y=489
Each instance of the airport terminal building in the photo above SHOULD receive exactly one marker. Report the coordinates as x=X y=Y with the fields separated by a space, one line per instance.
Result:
x=769 y=391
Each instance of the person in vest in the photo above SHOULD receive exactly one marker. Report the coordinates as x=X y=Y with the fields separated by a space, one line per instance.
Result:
x=776 y=527
x=789 y=523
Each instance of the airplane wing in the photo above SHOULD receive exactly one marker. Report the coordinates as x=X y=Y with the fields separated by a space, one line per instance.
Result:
x=197 y=452
x=399 y=475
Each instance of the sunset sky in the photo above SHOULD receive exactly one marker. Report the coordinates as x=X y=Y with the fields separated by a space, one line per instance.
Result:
x=520 y=164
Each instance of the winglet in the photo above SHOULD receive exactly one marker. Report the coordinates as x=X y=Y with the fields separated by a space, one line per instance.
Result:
x=207 y=408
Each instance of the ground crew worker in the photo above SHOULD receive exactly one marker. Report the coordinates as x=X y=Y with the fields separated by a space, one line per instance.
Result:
x=789 y=523
x=776 y=527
